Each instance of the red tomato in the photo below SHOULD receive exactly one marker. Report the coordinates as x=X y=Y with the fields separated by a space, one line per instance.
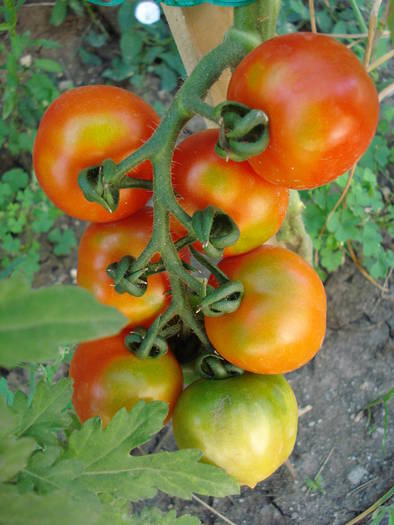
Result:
x=103 y=244
x=201 y=178
x=247 y=424
x=281 y=322
x=322 y=106
x=108 y=377
x=82 y=128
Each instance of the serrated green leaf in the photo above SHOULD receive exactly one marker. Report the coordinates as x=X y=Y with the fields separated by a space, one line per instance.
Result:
x=9 y=420
x=178 y=474
x=55 y=508
x=154 y=516
x=33 y=323
x=124 y=432
x=47 y=414
x=14 y=455
x=108 y=464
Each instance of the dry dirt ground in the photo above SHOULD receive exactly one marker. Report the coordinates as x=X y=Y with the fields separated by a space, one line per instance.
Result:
x=353 y=368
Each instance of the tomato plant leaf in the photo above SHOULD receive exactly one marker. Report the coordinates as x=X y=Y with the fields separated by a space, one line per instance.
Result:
x=56 y=507
x=14 y=453
x=124 y=432
x=46 y=415
x=33 y=323
x=154 y=516
x=107 y=462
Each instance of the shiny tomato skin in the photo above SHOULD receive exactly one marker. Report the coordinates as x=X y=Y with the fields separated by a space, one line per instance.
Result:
x=202 y=178
x=103 y=244
x=281 y=322
x=322 y=106
x=82 y=128
x=247 y=424
x=107 y=377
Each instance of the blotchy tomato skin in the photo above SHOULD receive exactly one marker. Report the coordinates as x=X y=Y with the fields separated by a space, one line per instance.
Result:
x=107 y=377
x=322 y=106
x=202 y=178
x=281 y=322
x=80 y=129
x=247 y=425
x=103 y=244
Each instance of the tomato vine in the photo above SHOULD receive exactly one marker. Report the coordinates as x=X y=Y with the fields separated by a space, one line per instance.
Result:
x=252 y=25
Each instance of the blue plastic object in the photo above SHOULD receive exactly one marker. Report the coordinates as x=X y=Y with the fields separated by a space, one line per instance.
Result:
x=108 y=3
x=183 y=3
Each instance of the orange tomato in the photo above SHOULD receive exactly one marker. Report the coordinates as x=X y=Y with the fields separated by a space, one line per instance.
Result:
x=82 y=128
x=281 y=322
x=107 y=377
x=202 y=178
x=103 y=244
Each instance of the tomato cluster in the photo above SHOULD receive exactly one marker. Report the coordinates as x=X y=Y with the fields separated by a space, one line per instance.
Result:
x=322 y=110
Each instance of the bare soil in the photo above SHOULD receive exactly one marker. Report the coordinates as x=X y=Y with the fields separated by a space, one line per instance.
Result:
x=353 y=368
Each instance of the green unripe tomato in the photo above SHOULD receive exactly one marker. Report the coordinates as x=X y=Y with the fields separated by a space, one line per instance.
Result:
x=247 y=424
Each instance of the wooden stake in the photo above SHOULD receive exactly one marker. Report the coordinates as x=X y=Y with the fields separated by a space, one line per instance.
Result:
x=196 y=31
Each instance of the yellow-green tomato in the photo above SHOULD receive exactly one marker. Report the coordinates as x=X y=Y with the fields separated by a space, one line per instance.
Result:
x=246 y=425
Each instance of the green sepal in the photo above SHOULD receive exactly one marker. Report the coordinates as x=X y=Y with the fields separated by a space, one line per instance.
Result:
x=243 y=131
x=215 y=230
x=147 y=343
x=213 y=366
x=95 y=189
x=126 y=279
x=223 y=300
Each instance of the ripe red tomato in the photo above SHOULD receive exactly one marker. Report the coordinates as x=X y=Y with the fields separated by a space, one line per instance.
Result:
x=108 y=377
x=201 y=178
x=281 y=322
x=322 y=106
x=82 y=128
x=247 y=424
x=103 y=244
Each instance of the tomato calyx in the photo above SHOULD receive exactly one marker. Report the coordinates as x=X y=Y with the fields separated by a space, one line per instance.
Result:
x=215 y=229
x=126 y=278
x=223 y=300
x=213 y=366
x=147 y=343
x=243 y=131
x=101 y=184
